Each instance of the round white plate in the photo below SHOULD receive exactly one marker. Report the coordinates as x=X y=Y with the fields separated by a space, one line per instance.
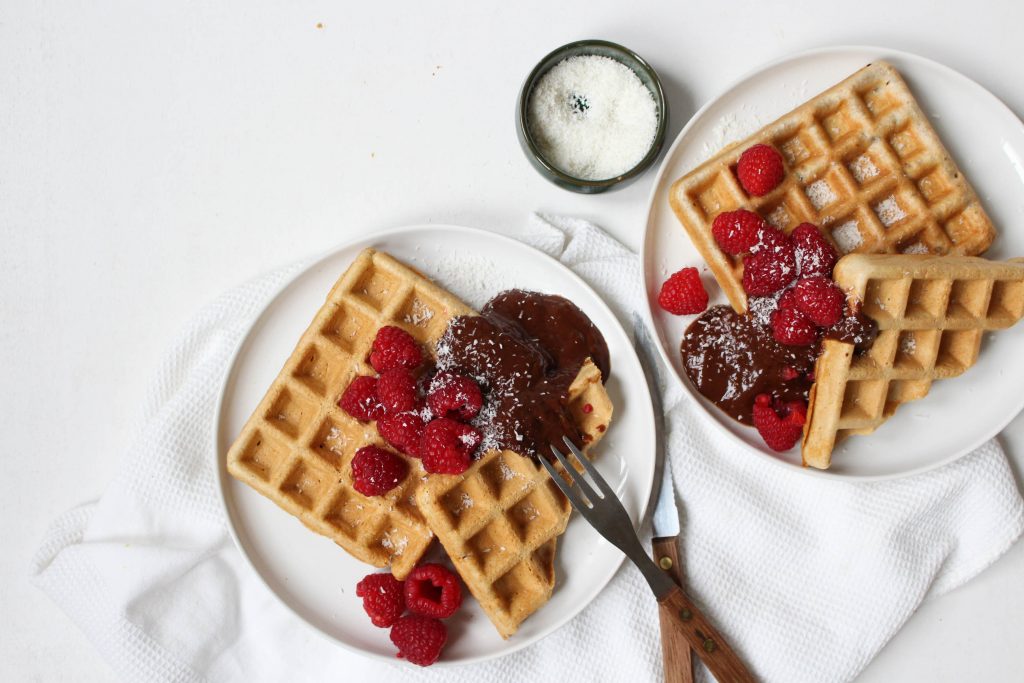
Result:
x=987 y=141
x=315 y=578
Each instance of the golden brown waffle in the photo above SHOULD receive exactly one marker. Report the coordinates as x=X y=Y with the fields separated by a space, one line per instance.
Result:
x=862 y=163
x=931 y=312
x=297 y=447
x=500 y=520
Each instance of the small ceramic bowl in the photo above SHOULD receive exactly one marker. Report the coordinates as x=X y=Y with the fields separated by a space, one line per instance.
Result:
x=644 y=72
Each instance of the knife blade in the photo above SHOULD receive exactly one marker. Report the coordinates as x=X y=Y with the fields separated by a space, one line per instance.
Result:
x=665 y=519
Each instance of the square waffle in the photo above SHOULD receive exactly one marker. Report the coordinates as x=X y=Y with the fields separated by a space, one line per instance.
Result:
x=500 y=520
x=297 y=446
x=862 y=163
x=931 y=314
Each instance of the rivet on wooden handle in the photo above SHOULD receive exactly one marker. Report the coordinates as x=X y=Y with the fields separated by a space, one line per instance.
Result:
x=674 y=648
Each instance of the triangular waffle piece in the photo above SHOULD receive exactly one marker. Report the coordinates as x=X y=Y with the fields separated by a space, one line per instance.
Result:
x=500 y=520
x=931 y=313
x=297 y=447
x=862 y=163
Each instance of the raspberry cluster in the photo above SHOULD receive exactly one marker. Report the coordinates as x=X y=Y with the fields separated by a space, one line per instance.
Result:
x=430 y=593
x=417 y=414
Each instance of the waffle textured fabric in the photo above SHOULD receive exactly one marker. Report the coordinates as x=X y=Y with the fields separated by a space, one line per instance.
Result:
x=777 y=559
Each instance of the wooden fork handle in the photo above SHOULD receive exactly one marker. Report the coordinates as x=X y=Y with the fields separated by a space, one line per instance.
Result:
x=675 y=650
x=689 y=622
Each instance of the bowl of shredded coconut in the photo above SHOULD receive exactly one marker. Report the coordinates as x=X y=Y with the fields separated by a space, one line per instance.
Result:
x=591 y=116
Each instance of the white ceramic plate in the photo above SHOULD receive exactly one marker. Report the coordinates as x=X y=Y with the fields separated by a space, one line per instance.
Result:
x=987 y=141
x=316 y=579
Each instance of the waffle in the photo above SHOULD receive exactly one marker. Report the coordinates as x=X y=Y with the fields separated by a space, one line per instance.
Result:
x=862 y=163
x=297 y=447
x=500 y=520
x=931 y=314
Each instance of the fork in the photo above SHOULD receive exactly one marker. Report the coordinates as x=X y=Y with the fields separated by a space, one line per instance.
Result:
x=605 y=513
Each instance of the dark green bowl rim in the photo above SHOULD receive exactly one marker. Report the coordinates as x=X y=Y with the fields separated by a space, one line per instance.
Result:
x=659 y=135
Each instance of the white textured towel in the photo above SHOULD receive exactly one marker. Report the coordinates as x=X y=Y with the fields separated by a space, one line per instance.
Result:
x=808 y=577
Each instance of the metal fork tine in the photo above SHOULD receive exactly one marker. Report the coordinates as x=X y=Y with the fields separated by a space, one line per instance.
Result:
x=563 y=486
x=591 y=470
x=584 y=486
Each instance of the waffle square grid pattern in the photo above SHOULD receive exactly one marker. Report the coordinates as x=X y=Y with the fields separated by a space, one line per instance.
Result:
x=297 y=447
x=499 y=522
x=862 y=163
x=931 y=314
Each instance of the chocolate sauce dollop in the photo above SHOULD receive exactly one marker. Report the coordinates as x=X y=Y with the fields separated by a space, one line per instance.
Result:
x=524 y=349
x=730 y=359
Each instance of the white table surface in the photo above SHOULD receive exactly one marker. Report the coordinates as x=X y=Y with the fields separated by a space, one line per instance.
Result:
x=154 y=154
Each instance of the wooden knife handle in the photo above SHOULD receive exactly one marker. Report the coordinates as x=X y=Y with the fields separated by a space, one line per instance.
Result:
x=690 y=623
x=674 y=648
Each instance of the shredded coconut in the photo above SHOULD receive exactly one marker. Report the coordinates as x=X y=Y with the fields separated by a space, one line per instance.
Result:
x=889 y=211
x=847 y=236
x=916 y=248
x=863 y=168
x=419 y=313
x=820 y=193
x=779 y=217
x=908 y=344
x=592 y=117
x=730 y=128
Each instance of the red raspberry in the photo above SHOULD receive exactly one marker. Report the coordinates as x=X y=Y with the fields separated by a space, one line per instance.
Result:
x=393 y=348
x=419 y=639
x=760 y=170
x=432 y=590
x=396 y=391
x=447 y=446
x=402 y=430
x=788 y=299
x=771 y=266
x=376 y=471
x=820 y=300
x=814 y=254
x=737 y=231
x=683 y=293
x=455 y=396
x=360 y=399
x=793 y=328
x=383 y=598
x=779 y=431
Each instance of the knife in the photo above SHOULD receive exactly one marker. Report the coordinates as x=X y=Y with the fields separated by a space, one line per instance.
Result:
x=665 y=520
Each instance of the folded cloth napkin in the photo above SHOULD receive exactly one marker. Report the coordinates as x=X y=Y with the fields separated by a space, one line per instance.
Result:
x=807 y=577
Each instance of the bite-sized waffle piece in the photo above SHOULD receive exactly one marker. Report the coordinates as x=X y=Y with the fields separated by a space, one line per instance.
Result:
x=862 y=163
x=500 y=520
x=297 y=447
x=931 y=313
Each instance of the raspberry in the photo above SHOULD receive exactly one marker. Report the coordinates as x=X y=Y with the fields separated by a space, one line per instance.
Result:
x=376 y=471
x=760 y=169
x=419 y=639
x=793 y=328
x=447 y=446
x=396 y=391
x=779 y=431
x=737 y=231
x=393 y=348
x=820 y=300
x=814 y=254
x=402 y=430
x=431 y=590
x=788 y=299
x=771 y=266
x=360 y=399
x=455 y=396
x=683 y=293
x=383 y=598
